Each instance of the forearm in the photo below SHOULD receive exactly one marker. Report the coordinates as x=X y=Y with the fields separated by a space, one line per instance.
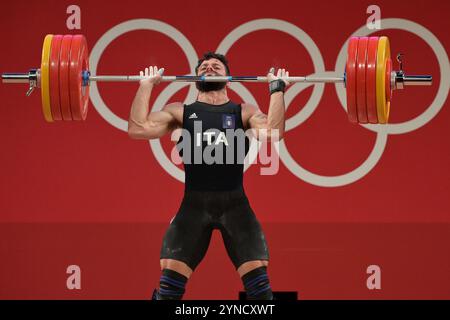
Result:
x=140 y=106
x=275 y=116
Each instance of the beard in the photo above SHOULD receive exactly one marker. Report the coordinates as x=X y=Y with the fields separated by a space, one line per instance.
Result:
x=204 y=86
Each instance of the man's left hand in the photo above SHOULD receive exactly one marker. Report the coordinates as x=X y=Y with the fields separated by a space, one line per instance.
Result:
x=281 y=74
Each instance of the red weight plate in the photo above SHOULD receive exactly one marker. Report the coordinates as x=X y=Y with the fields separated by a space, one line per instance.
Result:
x=371 y=80
x=54 y=77
x=361 y=66
x=79 y=94
x=64 y=88
x=350 y=71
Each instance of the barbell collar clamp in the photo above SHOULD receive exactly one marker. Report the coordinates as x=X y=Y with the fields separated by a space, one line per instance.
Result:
x=32 y=78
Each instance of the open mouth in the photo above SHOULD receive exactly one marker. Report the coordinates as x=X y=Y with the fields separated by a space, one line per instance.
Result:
x=210 y=74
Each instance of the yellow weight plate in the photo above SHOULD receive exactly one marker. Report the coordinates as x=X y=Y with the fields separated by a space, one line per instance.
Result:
x=383 y=103
x=45 y=84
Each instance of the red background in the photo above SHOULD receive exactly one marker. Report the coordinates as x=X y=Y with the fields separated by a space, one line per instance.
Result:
x=85 y=194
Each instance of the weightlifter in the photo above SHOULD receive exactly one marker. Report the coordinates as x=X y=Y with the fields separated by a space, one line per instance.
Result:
x=214 y=196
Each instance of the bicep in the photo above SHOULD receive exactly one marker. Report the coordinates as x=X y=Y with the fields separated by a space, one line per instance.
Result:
x=160 y=118
x=253 y=117
x=259 y=125
x=171 y=115
x=157 y=124
x=258 y=120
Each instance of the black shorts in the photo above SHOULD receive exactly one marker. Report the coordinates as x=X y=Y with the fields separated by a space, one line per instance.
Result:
x=188 y=236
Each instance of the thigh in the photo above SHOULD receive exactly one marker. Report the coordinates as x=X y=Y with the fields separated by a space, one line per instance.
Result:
x=187 y=238
x=243 y=236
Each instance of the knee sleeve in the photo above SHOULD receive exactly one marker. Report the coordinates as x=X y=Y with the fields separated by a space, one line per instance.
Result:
x=171 y=286
x=256 y=284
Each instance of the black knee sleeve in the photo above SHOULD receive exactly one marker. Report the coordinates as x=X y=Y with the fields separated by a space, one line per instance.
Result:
x=256 y=284
x=171 y=286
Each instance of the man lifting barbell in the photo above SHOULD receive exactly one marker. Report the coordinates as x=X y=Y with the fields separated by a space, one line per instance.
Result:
x=214 y=196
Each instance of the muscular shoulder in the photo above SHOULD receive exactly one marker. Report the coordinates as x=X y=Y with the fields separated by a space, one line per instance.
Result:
x=173 y=107
x=176 y=110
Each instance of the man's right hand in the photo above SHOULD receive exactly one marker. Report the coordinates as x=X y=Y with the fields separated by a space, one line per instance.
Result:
x=152 y=76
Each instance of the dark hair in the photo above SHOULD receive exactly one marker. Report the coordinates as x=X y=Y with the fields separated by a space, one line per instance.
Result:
x=212 y=55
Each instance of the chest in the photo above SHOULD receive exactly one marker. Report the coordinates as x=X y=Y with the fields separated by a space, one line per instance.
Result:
x=201 y=121
x=222 y=128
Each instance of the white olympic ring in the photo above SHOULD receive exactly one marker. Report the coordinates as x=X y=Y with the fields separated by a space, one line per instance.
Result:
x=304 y=39
x=279 y=25
x=115 y=32
x=381 y=130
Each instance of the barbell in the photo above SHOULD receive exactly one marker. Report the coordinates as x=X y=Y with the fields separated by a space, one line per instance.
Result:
x=64 y=78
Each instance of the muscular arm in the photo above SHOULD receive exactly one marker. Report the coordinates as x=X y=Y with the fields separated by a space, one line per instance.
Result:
x=145 y=125
x=273 y=123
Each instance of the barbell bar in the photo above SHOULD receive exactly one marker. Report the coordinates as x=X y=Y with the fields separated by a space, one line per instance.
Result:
x=64 y=78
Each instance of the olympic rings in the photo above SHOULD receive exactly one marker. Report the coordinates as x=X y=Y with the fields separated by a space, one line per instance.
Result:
x=301 y=116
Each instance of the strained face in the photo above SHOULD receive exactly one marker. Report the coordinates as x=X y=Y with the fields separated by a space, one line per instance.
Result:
x=212 y=67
